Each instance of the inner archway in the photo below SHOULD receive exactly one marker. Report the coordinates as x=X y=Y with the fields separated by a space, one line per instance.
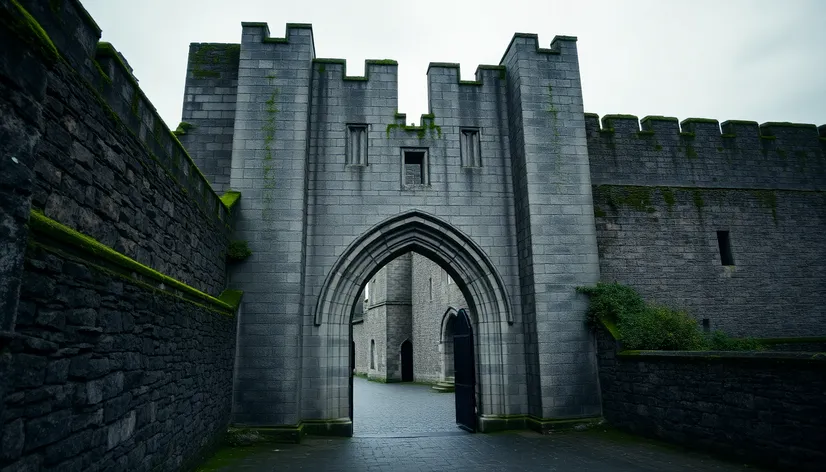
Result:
x=446 y=344
x=460 y=257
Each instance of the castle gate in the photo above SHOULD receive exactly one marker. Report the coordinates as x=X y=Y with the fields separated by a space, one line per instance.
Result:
x=493 y=185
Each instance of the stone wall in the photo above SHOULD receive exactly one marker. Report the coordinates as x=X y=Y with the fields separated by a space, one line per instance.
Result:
x=112 y=356
x=106 y=164
x=386 y=321
x=106 y=372
x=662 y=196
x=660 y=151
x=209 y=109
x=758 y=407
x=428 y=317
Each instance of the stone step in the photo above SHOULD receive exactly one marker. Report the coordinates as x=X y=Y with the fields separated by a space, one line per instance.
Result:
x=444 y=387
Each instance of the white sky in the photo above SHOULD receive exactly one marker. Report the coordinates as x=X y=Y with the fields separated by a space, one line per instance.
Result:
x=761 y=60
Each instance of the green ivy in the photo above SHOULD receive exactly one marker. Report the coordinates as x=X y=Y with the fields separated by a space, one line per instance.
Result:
x=644 y=326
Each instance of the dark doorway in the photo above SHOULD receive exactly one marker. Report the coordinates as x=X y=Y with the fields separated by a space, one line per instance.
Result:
x=407 y=361
x=465 y=372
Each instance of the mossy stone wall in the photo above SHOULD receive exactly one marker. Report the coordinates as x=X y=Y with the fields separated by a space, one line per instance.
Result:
x=662 y=241
x=758 y=407
x=108 y=373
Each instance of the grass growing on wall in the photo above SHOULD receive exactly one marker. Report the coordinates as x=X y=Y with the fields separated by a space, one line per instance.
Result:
x=646 y=326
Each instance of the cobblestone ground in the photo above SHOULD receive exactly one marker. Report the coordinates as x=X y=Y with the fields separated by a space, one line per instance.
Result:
x=401 y=409
x=589 y=451
x=404 y=427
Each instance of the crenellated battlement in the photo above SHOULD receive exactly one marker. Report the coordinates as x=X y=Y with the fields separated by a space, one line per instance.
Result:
x=449 y=72
x=701 y=151
x=796 y=133
x=330 y=68
x=298 y=35
x=559 y=44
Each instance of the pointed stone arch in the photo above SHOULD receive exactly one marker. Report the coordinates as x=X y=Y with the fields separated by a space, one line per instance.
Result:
x=450 y=312
x=482 y=287
x=425 y=234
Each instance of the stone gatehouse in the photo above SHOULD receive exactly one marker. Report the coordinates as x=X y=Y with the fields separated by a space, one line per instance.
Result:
x=509 y=187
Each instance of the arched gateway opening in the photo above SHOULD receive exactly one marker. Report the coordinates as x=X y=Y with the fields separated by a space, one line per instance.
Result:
x=488 y=310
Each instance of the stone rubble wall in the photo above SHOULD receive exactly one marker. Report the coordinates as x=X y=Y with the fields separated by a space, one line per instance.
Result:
x=759 y=407
x=107 y=373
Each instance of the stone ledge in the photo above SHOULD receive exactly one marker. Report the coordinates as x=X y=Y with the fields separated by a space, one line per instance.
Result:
x=53 y=236
x=725 y=356
x=496 y=423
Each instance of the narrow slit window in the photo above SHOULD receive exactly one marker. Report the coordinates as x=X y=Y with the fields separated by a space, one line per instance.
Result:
x=724 y=242
x=372 y=353
x=357 y=145
x=470 y=148
x=430 y=281
x=415 y=167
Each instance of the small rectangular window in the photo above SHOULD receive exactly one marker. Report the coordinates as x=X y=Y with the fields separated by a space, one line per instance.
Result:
x=357 y=145
x=414 y=168
x=470 y=149
x=724 y=242
x=706 y=325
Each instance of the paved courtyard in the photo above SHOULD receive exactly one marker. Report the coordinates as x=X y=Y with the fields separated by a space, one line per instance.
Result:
x=401 y=409
x=406 y=427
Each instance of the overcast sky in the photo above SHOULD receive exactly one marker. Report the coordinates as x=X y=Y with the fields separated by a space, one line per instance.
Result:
x=734 y=59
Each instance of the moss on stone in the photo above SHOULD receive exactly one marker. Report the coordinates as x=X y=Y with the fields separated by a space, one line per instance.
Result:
x=729 y=135
x=598 y=212
x=62 y=234
x=786 y=124
x=645 y=133
x=767 y=198
x=658 y=147
x=768 y=138
x=701 y=120
x=183 y=128
x=391 y=127
x=688 y=135
x=230 y=198
x=668 y=197
x=103 y=74
x=382 y=62
x=134 y=106
x=636 y=197
x=232 y=298
x=669 y=119
x=28 y=30
x=697 y=197
x=238 y=250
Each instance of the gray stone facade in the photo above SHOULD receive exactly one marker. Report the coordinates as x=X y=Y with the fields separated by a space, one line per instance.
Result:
x=305 y=207
x=511 y=188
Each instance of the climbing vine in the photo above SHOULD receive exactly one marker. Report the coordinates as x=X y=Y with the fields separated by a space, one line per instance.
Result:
x=269 y=137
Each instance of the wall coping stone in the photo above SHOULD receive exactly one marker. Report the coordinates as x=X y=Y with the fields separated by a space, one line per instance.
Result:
x=726 y=356
x=53 y=234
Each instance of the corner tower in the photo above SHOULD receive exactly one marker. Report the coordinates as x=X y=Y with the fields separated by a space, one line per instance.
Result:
x=556 y=236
